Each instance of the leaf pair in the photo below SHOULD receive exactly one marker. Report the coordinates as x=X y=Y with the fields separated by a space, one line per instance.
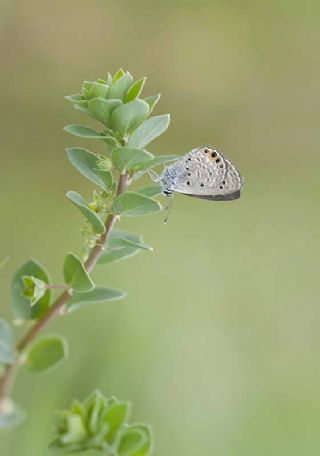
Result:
x=124 y=119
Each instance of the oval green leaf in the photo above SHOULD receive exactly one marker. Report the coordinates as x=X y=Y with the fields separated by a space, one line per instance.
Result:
x=91 y=216
x=128 y=116
x=151 y=190
x=98 y=90
x=136 y=440
x=101 y=109
x=97 y=296
x=117 y=254
x=159 y=160
x=120 y=86
x=75 y=274
x=125 y=158
x=82 y=132
x=152 y=101
x=123 y=243
x=46 y=352
x=148 y=131
x=135 y=90
x=87 y=164
x=20 y=304
x=117 y=415
x=76 y=99
x=117 y=250
x=84 y=110
x=117 y=76
x=131 y=204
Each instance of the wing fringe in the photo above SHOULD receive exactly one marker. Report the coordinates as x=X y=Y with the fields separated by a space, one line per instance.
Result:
x=227 y=197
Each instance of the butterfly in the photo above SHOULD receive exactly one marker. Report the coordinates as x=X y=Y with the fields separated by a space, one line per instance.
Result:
x=203 y=173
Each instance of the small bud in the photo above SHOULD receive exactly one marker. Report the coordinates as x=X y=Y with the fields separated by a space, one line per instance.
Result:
x=93 y=206
x=104 y=163
x=34 y=289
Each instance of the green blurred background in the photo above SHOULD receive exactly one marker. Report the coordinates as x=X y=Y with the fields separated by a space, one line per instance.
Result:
x=217 y=344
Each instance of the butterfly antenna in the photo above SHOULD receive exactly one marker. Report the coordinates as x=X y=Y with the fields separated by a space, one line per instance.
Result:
x=154 y=176
x=168 y=208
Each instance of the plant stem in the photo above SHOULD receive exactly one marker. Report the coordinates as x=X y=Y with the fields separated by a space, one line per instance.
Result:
x=7 y=379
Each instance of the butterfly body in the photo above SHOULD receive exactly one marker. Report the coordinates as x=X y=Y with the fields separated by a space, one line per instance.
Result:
x=203 y=173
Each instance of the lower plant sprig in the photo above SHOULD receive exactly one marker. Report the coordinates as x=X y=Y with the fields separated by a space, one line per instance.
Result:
x=102 y=425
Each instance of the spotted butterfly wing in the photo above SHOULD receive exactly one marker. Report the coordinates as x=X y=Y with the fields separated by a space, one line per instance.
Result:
x=200 y=172
x=207 y=174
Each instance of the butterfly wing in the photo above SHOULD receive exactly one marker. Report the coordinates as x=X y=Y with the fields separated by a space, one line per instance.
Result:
x=200 y=172
x=205 y=173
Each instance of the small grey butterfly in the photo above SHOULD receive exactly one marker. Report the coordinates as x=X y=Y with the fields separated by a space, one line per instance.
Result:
x=203 y=173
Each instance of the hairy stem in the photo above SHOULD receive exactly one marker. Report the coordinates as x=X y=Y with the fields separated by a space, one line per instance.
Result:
x=8 y=377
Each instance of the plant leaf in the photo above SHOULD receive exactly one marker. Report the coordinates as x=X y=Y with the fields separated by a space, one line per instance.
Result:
x=148 y=131
x=84 y=110
x=117 y=415
x=90 y=215
x=159 y=160
x=34 y=289
x=7 y=355
x=86 y=88
x=75 y=274
x=128 y=116
x=136 y=440
x=101 y=109
x=135 y=90
x=117 y=76
x=76 y=99
x=120 y=86
x=98 y=90
x=120 y=243
x=116 y=250
x=131 y=204
x=94 y=408
x=151 y=190
x=87 y=163
x=125 y=158
x=152 y=101
x=117 y=254
x=82 y=132
x=20 y=304
x=46 y=352
x=97 y=296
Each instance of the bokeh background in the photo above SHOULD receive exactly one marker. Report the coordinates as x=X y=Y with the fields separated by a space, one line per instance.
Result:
x=217 y=344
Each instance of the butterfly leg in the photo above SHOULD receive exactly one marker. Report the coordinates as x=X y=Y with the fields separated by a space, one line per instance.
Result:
x=168 y=208
x=154 y=176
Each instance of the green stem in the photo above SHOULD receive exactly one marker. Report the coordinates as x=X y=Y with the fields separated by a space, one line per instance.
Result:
x=8 y=377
